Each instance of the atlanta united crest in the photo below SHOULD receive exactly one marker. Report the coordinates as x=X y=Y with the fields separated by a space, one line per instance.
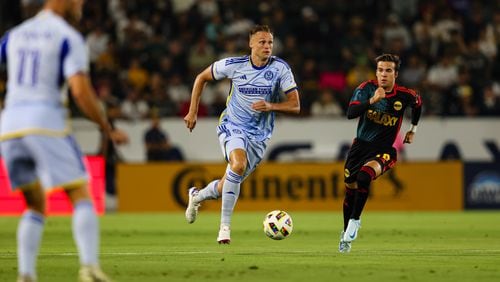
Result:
x=268 y=75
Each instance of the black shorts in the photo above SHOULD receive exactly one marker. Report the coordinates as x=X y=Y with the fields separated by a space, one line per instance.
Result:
x=362 y=152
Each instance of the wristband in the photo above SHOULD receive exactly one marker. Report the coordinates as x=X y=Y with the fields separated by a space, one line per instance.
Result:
x=413 y=128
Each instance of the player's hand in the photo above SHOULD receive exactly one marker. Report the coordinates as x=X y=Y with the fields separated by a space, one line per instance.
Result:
x=262 y=106
x=118 y=136
x=190 y=121
x=378 y=95
x=409 y=137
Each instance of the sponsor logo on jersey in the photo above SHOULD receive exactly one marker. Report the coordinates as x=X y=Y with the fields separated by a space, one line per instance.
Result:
x=398 y=105
x=253 y=90
x=381 y=118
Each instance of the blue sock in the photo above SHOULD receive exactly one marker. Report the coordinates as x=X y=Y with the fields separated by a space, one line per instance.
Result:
x=86 y=232
x=230 y=193
x=29 y=236
x=209 y=192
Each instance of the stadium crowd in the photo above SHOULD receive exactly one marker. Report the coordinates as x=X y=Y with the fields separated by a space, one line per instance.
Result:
x=145 y=53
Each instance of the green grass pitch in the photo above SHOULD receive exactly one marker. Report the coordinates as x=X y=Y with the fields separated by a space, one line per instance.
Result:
x=396 y=246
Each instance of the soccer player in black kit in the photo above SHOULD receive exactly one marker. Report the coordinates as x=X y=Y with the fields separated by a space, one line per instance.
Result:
x=380 y=105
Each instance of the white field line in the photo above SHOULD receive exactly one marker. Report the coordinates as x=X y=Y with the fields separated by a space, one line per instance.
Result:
x=331 y=252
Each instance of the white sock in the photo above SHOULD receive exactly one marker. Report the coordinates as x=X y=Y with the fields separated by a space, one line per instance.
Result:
x=29 y=236
x=208 y=193
x=86 y=232
x=230 y=193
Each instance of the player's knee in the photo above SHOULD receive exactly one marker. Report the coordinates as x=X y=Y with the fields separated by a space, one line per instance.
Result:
x=77 y=193
x=36 y=204
x=351 y=186
x=35 y=199
x=365 y=176
x=238 y=167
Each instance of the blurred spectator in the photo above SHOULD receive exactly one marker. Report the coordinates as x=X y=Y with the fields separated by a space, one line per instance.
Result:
x=207 y=8
x=178 y=91
x=97 y=42
x=395 y=30
x=309 y=74
x=425 y=31
x=413 y=73
x=323 y=40
x=440 y=78
x=160 y=102
x=477 y=63
x=134 y=108
x=200 y=56
x=326 y=105
x=359 y=73
x=490 y=104
x=137 y=76
x=158 y=146
x=355 y=43
x=462 y=97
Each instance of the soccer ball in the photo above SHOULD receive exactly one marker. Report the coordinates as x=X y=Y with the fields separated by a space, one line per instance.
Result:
x=278 y=225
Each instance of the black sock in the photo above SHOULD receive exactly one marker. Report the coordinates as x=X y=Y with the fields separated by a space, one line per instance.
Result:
x=363 y=180
x=348 y=205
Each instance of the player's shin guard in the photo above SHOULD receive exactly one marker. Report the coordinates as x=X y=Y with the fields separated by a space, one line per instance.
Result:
x=348 y=205
x=364 y=178
x=230 y=193
x=29 y=236
x=86 y=232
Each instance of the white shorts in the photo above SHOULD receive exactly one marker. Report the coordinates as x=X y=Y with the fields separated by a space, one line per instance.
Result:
x=54 y=161
x=233 y=137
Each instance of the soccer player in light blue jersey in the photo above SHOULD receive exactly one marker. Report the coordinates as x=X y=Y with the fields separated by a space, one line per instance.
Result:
x=41 y=55
x=248 y=120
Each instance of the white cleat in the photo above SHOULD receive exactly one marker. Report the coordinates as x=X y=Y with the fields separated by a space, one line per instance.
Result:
x=192 y=208
x=92 y=274
x=344 y=247
x=351 y=233
x=224 y=235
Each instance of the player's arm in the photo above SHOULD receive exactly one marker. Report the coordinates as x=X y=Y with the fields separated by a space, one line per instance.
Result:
x=415 y=117
x=290 y=106
x=357 y=108
x=85 y=98
x=198 y=86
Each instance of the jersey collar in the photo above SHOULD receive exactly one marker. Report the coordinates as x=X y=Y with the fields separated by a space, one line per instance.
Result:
x=259 y=68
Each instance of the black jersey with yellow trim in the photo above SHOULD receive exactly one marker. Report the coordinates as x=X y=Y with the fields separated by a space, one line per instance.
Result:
x=381 y=122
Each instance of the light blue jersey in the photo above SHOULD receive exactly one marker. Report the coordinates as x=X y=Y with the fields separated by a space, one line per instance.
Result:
x=250 y=84
x=41 y=54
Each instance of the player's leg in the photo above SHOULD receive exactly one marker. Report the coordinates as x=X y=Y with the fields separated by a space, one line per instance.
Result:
x=60 y=162
x=368 y=172
x=29 y=231
x=210 y=192
x=242 y=164
x=85 y=227
x=231 y=187
x=195 y=197
x=348 y=203
x=365 y=175
x=347 y=207
x=22 y=174
x=355 y=159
